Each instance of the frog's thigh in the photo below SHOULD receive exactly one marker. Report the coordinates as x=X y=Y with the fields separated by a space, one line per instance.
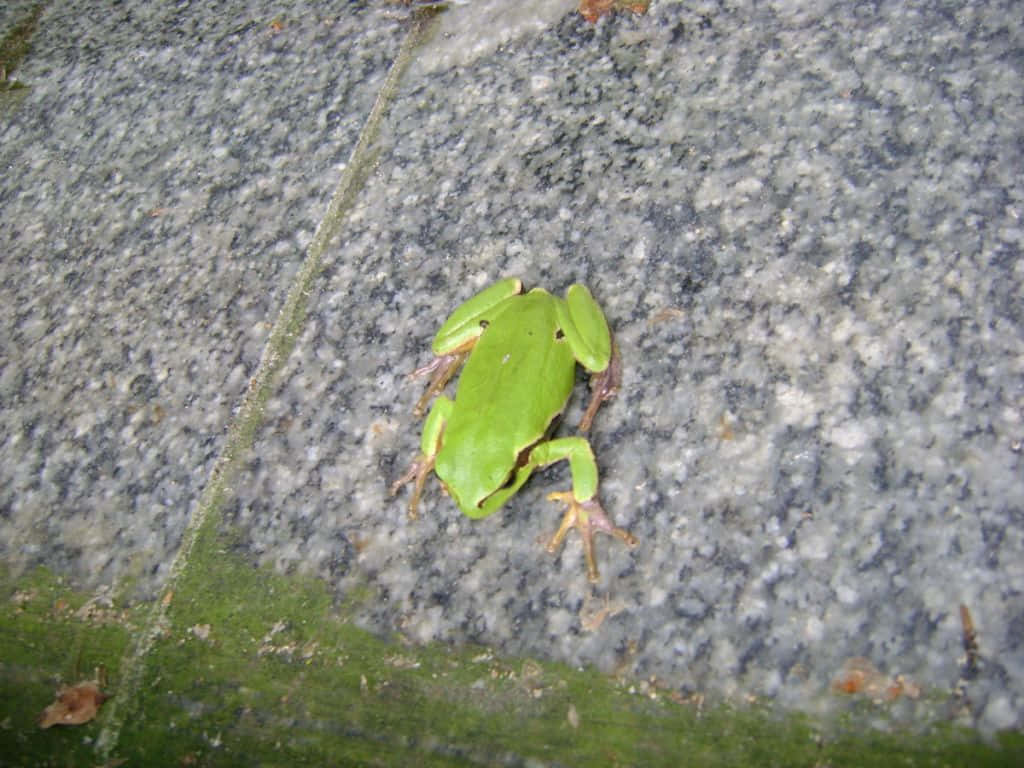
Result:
x=585 y=328
x=581 y=463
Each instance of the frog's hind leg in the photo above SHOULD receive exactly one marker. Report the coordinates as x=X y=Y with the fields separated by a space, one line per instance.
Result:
x=585 y=512
x=430 y=444
x=417 y=471
x=588 y=517
x=604 y=385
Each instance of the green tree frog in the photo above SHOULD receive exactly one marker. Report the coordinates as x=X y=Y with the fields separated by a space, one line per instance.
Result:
x=520 y=353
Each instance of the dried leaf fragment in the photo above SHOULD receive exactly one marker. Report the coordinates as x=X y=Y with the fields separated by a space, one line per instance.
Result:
x=970 y=640
x=970 y=663
x=592 y=10
x=591 y=619
x=75 y=705
x=859 y=675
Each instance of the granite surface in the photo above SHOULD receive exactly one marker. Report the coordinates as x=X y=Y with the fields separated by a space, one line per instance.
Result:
x=801 y=218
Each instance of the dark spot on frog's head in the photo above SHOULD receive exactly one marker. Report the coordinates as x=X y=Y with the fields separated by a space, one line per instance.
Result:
x=559 y=334
x=484 y=323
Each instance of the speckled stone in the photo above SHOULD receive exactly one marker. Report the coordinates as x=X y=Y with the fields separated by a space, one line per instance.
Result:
x=803 y=222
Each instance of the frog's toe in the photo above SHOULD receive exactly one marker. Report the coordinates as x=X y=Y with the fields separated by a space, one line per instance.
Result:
x=588 y=517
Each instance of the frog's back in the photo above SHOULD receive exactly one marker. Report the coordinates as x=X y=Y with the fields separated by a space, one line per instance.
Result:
x=517 y=379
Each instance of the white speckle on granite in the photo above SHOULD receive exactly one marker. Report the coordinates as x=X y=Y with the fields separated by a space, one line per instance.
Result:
x=815 y=546
x=1001 y=713
x=850 y=436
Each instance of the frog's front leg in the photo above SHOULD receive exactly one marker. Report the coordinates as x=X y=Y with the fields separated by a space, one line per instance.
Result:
x=443 y=367
x=430 y=444
x=584 y=512
x=458 y=335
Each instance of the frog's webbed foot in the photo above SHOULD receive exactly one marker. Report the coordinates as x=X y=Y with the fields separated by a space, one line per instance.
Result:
x=443 y=367
x=417 y=471
x=588 y=517
x=603 y=386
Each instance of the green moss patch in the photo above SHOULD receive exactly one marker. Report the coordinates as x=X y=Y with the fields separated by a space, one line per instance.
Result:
x=257 y=668
x=15 y=45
